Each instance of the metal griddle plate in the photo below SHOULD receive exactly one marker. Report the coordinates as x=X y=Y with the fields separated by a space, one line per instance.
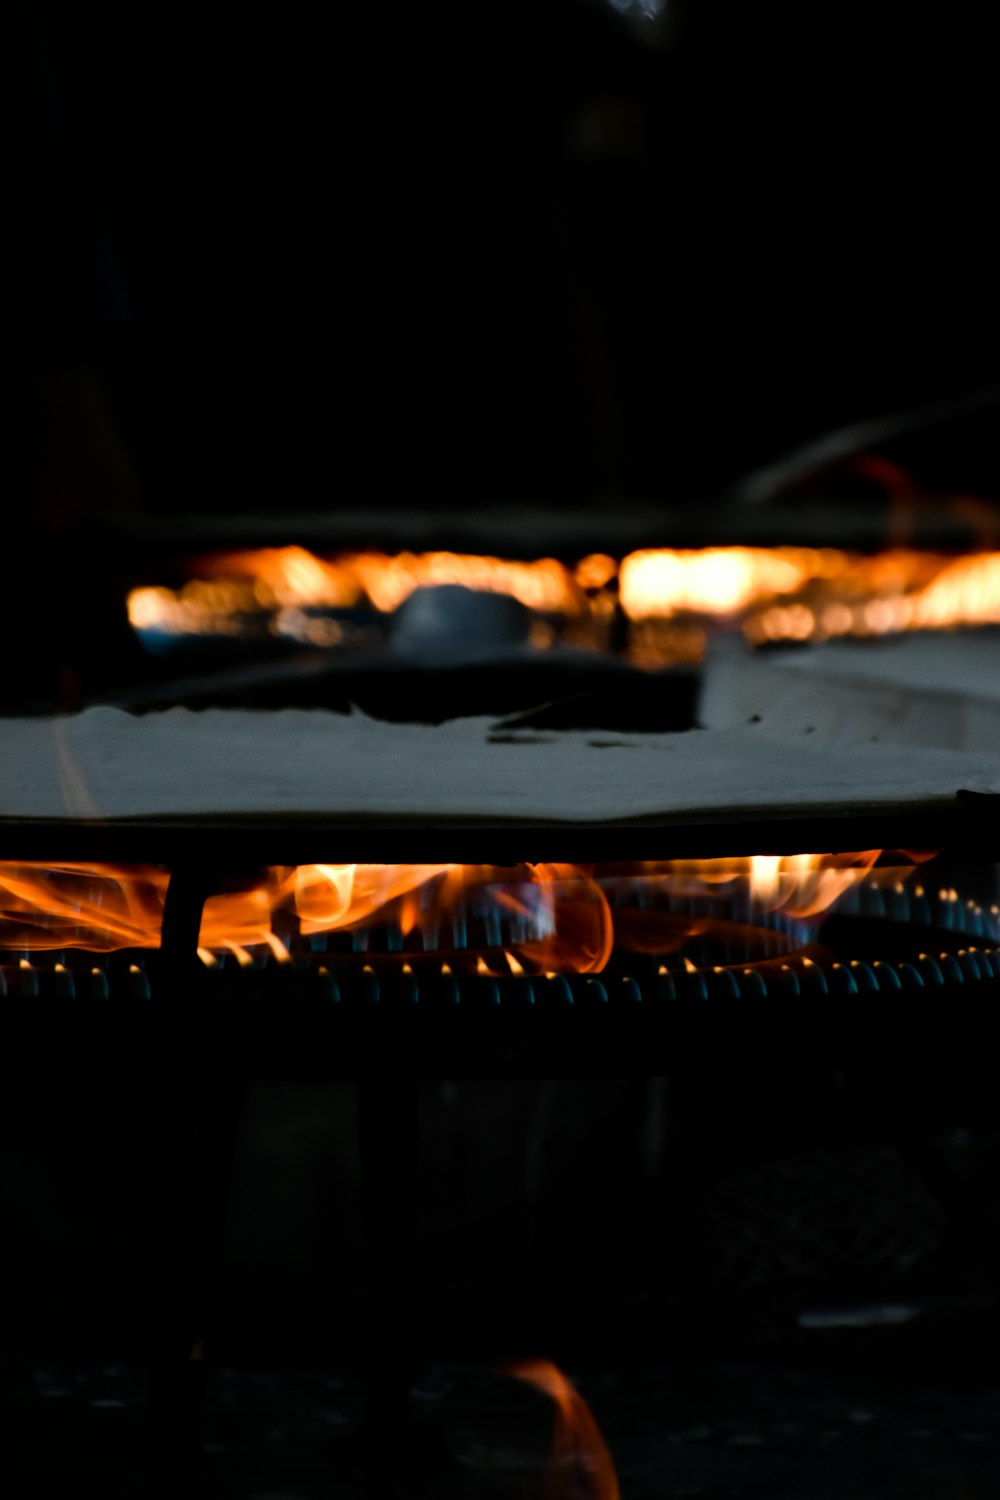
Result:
x=966 y=828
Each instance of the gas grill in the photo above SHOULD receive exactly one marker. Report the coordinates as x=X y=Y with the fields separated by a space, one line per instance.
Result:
x=893 y=994
x=556 y=330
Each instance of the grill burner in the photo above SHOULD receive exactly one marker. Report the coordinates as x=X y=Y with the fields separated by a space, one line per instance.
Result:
x=878 y=939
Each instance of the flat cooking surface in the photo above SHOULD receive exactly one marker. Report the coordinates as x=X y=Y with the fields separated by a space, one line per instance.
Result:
x=105 y=778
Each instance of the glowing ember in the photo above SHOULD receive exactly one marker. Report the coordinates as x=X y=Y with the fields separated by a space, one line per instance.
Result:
x=580 y=1464
x=535 y=918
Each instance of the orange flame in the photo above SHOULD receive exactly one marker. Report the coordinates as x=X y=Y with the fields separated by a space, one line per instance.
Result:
x=898 y=591
x=580 y=1463
x=290 y=578
x=548 y=917
x=967 y=591
x=105 y=907
x=97 y=906
x=715 y=581
x=802 y=885
x=781 y=593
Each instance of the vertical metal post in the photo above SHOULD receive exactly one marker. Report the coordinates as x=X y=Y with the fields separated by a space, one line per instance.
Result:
x=388 y=1127
x=197 y=1105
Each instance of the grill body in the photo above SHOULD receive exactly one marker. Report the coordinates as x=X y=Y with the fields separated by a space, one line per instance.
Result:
x=909 y=1041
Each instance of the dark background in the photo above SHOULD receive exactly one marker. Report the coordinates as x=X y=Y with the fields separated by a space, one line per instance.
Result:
x=531 y=250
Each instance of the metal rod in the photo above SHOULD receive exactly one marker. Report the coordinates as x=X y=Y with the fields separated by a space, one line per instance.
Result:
x=965 y=828
x=198 y=1105
x=388 y=1129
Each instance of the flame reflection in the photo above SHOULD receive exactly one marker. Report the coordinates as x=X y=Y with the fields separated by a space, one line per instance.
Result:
x=579 y=1464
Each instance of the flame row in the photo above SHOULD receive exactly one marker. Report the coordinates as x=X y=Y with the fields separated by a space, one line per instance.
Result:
x=549 y=917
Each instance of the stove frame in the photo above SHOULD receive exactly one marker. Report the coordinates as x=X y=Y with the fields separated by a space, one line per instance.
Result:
x=199 y=1049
